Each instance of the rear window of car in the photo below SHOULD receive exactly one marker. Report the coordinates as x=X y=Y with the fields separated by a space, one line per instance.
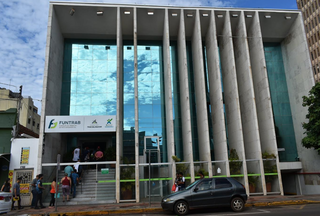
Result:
x=222 y=183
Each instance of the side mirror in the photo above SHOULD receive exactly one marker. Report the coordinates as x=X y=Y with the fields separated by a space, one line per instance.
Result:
x=196 y=189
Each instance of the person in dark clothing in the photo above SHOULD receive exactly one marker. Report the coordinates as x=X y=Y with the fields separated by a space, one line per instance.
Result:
x=75 y=179
x=39 y=189
x=182 y=182
x=6 y=186
x=34 y=191
x=16 y=194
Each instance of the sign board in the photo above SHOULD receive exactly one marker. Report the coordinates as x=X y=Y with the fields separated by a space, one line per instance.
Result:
x=105 y=171
x=66 y=124
x=24 y=155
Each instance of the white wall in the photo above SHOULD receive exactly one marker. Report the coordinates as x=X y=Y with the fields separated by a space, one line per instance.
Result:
x=16 y=146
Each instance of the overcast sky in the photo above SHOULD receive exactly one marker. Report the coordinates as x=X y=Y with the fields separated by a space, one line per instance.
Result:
x=23 y=30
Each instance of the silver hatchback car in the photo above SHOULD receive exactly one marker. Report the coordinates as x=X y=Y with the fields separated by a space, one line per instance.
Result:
x=208 y=192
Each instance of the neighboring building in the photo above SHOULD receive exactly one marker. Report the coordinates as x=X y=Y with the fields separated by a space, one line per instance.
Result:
x=188 y=82
x=311 y=16
x=29 y=116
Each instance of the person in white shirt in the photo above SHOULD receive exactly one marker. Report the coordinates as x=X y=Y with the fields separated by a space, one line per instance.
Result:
x=182 y=182
x=76 y=154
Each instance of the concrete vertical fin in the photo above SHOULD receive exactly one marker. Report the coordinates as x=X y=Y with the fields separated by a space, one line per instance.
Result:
x=262 y=92
x=168 y=92
x=231 y=95
x=119 y=132
x=200 y=91
x=216 y=100
x=136 y=108
x=249 y=115
x=184 y=96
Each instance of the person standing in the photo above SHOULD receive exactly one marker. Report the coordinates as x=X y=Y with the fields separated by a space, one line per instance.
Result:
x=53 y=192
x=99 y=154
x=16 y=194
x=34 y=191
x=182 y=182
x=6 y=186
x=201 y=175
x=75 y=179
x=66 y=184
x=39 y=189
x=76 y=154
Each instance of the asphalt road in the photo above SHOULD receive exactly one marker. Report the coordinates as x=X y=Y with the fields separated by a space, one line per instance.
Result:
x=290 y=210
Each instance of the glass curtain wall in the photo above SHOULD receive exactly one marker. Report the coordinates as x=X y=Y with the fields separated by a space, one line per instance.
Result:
x=89 y=84
x=175 y=87
x=128 y=103
x=280 y=102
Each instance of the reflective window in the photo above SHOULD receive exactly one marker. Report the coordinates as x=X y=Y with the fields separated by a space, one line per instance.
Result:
x=222 y=183
x=93 y=86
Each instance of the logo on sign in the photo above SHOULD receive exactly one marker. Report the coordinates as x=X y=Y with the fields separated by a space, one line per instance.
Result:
x=52 y=123
x=109 y=123
x=95 y=122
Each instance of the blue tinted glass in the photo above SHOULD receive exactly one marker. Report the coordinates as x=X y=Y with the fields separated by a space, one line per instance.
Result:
x=93 y=86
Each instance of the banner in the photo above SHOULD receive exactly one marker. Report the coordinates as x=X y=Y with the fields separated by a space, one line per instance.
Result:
x=24 y=155
x=66 y=124
x=24 y=188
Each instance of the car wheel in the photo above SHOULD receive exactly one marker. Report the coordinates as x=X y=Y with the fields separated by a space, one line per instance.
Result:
x=237 y=204
x=181 y=208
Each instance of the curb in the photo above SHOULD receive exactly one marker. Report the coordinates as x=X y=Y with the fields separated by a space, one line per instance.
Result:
x=289 y=202
x=150 y=210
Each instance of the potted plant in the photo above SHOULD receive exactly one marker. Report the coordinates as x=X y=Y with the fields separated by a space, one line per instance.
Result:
x=234 y=163
x=269 y=166
x=110 y=155
x=252 y=183
x=127 y=173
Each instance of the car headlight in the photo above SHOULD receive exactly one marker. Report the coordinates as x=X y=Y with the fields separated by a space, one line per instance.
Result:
x=167 y=200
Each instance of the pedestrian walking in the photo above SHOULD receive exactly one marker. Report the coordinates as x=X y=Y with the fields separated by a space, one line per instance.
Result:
x=75 y=180
x=52 y=193
x=201 y=175
x=34 y=191
x=66 y=184
x=39 y=189
x=16 y=194
x=68 y=170
x=6 y=186
x=182 y=182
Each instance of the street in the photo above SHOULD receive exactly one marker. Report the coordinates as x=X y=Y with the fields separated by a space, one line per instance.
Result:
x=292 y=210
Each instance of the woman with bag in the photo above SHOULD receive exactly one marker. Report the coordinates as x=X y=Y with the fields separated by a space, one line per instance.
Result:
x=52 y=193
x=6 y=186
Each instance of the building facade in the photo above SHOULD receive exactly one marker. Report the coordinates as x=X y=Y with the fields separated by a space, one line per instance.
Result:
x=310 y=13
x=221 y=89
x=28 y=116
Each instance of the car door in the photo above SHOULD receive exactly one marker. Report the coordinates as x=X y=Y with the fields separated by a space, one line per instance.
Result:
x=201 y=194
x=223 y=191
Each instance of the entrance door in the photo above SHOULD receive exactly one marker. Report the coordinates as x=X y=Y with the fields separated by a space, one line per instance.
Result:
x=152 y=147
x=25 y=190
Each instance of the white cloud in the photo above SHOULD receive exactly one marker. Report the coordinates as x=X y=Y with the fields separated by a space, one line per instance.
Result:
x=23 y=30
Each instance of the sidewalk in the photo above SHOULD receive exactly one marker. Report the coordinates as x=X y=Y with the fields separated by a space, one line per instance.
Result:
x=136 y=208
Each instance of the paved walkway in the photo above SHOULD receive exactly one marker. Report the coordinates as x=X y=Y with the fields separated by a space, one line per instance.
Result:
x=125 y=208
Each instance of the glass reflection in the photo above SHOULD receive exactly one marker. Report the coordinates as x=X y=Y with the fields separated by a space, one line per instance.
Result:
x=93 y=87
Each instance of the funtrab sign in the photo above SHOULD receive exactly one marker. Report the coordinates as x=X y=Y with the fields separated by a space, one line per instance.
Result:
x=65 y=124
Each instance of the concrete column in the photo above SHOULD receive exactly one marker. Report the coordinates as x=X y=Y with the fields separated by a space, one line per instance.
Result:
x=300 y=80
x=262 y=92
x=168 y=93
x=52 y=90
x=119 y=132
x=136 y=108
x=184 y=96
x=217 y=114
x=247 y=97
x=200 y=91
x=231 y=94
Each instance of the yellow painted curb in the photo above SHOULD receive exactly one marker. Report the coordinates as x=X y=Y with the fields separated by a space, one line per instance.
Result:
x=148 y=210
x=289 y=202
x=103 y=212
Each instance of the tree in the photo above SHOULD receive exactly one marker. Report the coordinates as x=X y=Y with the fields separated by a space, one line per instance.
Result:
x=312 y=127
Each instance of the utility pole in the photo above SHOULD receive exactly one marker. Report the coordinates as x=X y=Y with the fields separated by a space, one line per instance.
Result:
x=18 y=112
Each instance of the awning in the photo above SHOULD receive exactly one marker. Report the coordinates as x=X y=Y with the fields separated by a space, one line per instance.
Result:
x=3 y=156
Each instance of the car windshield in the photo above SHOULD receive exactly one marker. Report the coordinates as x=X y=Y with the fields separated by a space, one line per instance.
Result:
x=190 y=186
